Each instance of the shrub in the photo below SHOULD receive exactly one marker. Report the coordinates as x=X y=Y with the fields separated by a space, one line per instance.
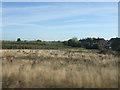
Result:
x=18 y=39
x=95 y=46
x=39 y=40
x=72 y=42
x=87 y=45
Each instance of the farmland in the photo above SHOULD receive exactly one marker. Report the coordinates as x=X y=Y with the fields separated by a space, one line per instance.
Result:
x=73 y=68
x=32 y=45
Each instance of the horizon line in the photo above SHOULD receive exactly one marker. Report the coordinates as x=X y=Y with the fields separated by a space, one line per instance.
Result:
x=58 y=40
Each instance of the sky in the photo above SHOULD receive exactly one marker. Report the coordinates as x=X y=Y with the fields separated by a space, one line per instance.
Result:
x=0 y=12
x=50 y=21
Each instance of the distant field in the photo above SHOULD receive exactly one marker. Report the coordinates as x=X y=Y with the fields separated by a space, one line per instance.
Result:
x=32 y=45
x=58 y=68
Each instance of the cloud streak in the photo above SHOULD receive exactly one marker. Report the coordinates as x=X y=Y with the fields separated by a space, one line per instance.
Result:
x=44 y=13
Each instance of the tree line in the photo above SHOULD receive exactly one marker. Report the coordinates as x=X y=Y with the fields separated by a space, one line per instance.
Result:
x=88 y=43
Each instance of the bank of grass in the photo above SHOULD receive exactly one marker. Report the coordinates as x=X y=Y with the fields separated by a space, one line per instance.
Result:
x=59 y=69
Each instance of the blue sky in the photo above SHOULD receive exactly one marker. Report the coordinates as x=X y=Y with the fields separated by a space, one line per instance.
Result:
x=59 y=21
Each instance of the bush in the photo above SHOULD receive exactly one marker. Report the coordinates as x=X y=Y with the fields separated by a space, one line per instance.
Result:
x=87 y=45
x=18 y=39
x=95 y=46
x=39 y=40
x=72 y=42
x=65 y=43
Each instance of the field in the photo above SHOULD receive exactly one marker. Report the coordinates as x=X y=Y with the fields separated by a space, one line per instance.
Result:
x=58 y=68
x=32 y=45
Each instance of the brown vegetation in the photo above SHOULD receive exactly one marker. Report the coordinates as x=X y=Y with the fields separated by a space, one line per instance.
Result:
x=58 y=68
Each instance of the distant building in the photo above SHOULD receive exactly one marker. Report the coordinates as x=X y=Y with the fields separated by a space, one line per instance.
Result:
x=98 y=40
x=111 y=41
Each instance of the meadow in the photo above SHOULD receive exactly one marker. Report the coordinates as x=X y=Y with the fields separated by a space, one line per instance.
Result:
x=66 y=68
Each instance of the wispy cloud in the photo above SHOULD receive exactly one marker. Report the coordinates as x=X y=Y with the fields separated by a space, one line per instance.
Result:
x=75 y=20
x=54 y=27
x=49 y=12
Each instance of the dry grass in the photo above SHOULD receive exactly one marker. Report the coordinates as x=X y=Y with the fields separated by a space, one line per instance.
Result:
x=58 y=68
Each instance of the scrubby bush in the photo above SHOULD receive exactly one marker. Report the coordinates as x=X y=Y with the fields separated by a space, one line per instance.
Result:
x=65 y=43
x=18 y=39
x=39 y=40
x=72 y=42
x=87 y=45
x=96 y=46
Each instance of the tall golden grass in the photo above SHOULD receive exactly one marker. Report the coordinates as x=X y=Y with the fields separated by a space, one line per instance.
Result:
x=58 y=69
